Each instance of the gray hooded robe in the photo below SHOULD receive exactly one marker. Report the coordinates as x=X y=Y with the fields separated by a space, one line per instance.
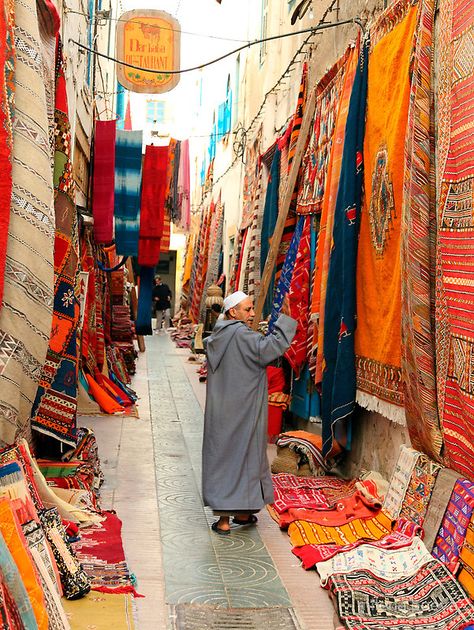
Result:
x=235 y=470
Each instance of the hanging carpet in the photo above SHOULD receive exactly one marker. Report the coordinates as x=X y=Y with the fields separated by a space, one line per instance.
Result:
x=378 y=333
x=103 y=183
x=455 y=228
x=128 y=172
x=25 y=318
x=54 y=409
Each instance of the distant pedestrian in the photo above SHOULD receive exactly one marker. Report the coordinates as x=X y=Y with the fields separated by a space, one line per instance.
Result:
x=162 y=303
x=236 y=479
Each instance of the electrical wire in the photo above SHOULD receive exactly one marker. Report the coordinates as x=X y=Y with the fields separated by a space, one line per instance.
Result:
x=312 y=30
x=100 y=18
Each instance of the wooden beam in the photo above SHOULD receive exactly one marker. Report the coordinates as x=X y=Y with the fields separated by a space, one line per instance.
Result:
x=284 y=208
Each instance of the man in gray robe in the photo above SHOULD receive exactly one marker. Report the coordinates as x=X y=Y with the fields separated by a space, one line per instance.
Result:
x=236 y=479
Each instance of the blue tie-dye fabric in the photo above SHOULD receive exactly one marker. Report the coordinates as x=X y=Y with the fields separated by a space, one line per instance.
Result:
x=128 y=177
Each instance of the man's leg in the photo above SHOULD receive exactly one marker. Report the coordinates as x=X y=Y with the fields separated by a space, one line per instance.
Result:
x=159 y=319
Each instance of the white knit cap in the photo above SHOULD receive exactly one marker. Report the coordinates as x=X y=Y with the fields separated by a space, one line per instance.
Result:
x=233 y=299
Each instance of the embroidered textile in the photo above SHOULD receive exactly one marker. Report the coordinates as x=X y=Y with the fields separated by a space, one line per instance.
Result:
x=103 y=180
x=12 y=580
x=214 y=252
x=270 y=215
x=251 y=181
x=419 y=490
x=283 y=285
x=431 y=599
x=299 y=300
x=101 y=554
x=378 y=334
x=128 y=172
x=338 y=385
x=315 y=161
x=12 y=534
x=54 y=409
x=417 y=249
x=455 y=241
x=456 y=520
x=311 y=498
x=305 y=533
x=25 y=318
x=7 y=98
x=387 y=564
x=442 y=490
x=400 y=480
x=152 y=209
x=401 y=536
x=320 y=274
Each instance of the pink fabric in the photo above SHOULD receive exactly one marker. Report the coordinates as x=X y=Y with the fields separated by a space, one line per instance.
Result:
x=184 y=186
x=103 y=192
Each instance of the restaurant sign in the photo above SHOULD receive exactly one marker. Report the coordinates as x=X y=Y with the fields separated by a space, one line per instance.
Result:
x=148 y=38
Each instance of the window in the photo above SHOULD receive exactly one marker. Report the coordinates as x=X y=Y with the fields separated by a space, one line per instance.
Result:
x=224 y=114
x=264 y=30
x=155 y=111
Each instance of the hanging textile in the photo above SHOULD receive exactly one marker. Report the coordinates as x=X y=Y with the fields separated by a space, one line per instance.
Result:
x=143 y=323
x=378 y=334
x=314 y=166
x=417 y=243
x=152 y=209
x=173 y=207
x=215 y=248
x=252 y=268
x=184 y=187
x=251 y=180
x=320 y=275
x=54 y=409
x=103 y=182
x=25 y=318
x=270 y=215
x=299 y=299
x=7 y=98
x=338 y=384
x=200 y=267
x=188 y=263
x=170 y=175
x=455 y=241
x=286 y=274
x=128 y=170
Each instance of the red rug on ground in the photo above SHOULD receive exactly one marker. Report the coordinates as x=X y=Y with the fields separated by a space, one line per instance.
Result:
x=100 y=552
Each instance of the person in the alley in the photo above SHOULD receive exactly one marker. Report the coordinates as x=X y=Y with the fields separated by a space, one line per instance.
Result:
x=236 y=479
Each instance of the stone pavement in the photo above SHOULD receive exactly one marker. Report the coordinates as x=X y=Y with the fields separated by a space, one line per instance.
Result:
x=152 y=470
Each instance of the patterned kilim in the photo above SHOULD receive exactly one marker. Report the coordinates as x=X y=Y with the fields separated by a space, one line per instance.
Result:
x=7 y=96
x=54 y=410
x=305 y=533
x=284 y=281
x=400 y=481
x=25 y=318
x=419 y=490
x=431 y=599
x=378 y=334
x=387 y=564
x=270 y=216
x=103 y=185
x=417 y=250
x=128 y=172
x=200 y=264
x=253 y=270
x=339 y=382
x=442 y=490
x=401 y=536
x=320 y=274
x=315 y=161
x=251 y=181
x=304 y=492
x=455 y=228
x=452 y=532
x=299 y=300
x=214 y=249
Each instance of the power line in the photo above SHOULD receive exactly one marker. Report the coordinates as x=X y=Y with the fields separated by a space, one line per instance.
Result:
x=312 y=30
x=99 y=18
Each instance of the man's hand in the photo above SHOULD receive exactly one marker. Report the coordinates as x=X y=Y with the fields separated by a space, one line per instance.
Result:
x=285 y=307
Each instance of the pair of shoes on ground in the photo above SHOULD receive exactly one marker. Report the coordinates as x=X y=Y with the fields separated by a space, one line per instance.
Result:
x=252 y=520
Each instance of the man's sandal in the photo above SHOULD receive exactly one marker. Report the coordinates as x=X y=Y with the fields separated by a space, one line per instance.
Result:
x=218 y=530
x=251 y=520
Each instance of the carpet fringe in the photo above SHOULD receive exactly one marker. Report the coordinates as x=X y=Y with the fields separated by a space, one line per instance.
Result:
x=394 y=413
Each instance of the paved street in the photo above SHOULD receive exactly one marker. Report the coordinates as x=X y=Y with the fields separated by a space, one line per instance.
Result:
x=152 y=469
